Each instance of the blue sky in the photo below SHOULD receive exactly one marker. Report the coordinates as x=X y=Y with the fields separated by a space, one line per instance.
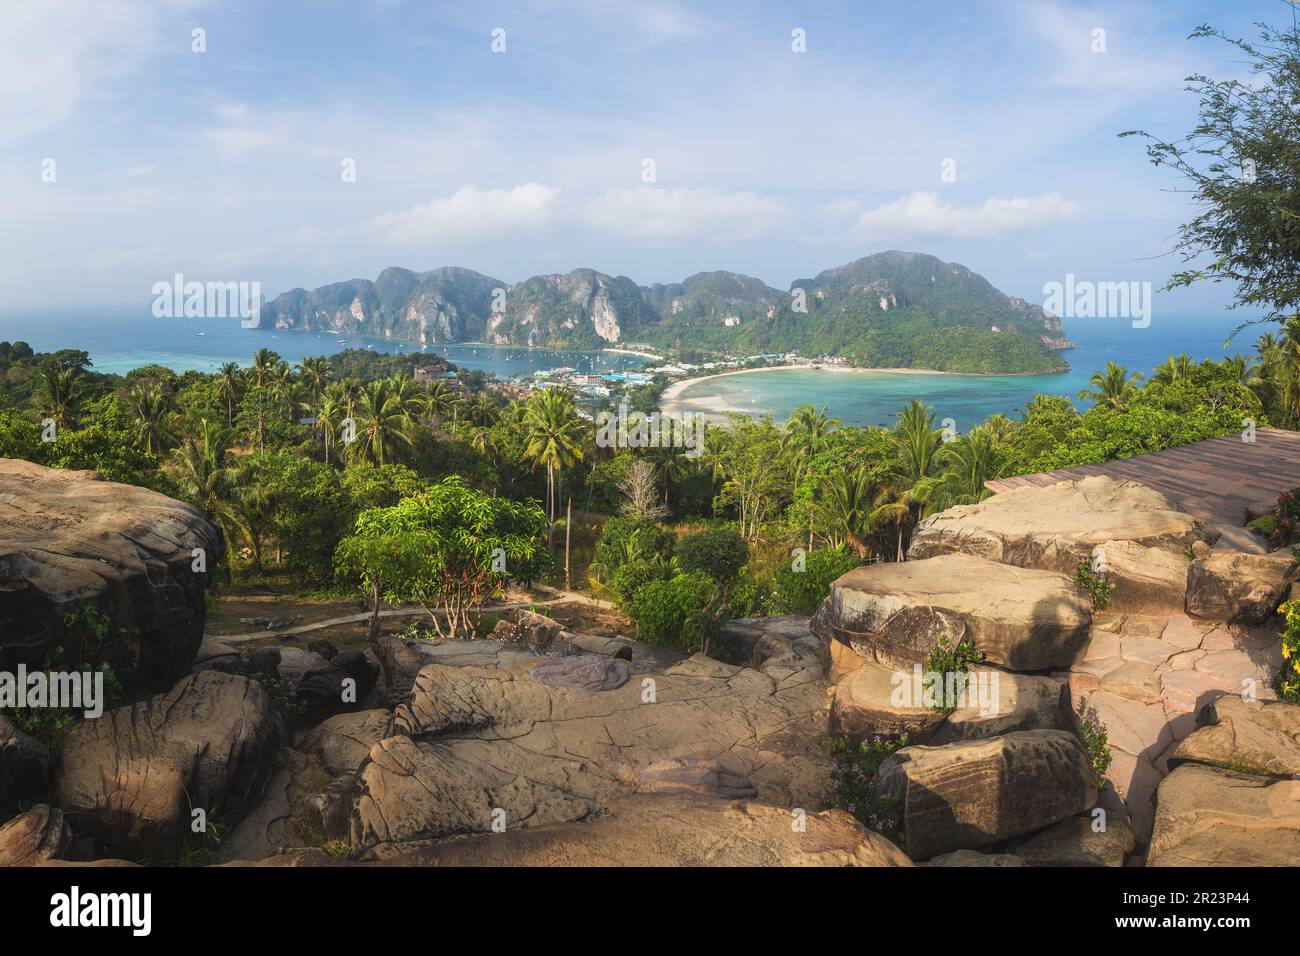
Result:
x=227 y=164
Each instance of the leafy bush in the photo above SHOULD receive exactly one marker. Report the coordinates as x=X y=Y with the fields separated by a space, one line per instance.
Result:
x=957 y=662
x=673 y=612
x=622 y=539
x=1096 y=740
x=1286 y=518
x=800 y=592
x=638 y=572
x=719 y=553
x=853 y=783
x=1264 y=525
x=1096 y=586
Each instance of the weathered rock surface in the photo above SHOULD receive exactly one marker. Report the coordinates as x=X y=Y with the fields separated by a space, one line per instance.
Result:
x=131 y=777
x=590 y=672
x=1143 y=580
x=895 y=614
x=1055 y=528
x=1207 y=816
x=31 y=838
x=1239 y=588
x=495 y=739
x=1078 y=842
x=68 y=539
x=972 y=794
x=882 y=701
x=668 y=830
x=1255 y=736
x=524 y=627
x=24 y=768
x=967 y=858
x=707 y=778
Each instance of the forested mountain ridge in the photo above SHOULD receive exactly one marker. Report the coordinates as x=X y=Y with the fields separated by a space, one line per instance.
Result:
x=892 y=309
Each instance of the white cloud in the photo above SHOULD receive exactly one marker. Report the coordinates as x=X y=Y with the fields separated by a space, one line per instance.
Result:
x=124 y=257
x=925 y=214
x=647 y=212
x=470 y=214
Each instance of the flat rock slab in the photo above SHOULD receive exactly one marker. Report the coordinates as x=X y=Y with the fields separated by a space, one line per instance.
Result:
x=583 y=672
x=483 y=739
x=968 y=858
x=69 y=539
x=131 y=777
x=1207 y=816
x=897 y=613
x=1239 y=588
x=1056 y=527
x=1253 y=736
x=1144 y=580
x=666 y=830
x=882 y=701
x=708 y=778
x=972 y=794
x=34 y=837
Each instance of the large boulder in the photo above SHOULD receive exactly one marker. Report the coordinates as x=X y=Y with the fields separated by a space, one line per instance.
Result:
x=69 y=539
x=880 y=701
x=668 y=830
x=1208 y=816
x=1143 y=580
x=34 y=837
x=895 y=614
x=1261 y=736
x=132 y=777
x=1080 y=841
x=1239 y=588
x=974 y=793
x=478 y=745
x=24 y=768
x=1056 y=527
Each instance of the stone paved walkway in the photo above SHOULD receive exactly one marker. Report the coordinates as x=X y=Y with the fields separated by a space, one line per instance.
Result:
x=1147 y=677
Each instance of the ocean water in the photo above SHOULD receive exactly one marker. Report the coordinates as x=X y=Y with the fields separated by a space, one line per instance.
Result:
x=120 y=343
x=874 y=398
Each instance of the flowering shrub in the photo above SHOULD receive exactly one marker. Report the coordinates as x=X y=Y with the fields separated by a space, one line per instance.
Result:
x=1288 y=681
x=1096 y=740
x=853 y=783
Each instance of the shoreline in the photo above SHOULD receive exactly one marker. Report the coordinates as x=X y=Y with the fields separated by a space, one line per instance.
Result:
x=672 y=402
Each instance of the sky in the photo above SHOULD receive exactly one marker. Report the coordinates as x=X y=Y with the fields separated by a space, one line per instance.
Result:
x=300 y=143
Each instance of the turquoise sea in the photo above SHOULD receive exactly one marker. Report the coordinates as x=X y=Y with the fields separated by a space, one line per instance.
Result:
x=119 y=344
x=874 y=398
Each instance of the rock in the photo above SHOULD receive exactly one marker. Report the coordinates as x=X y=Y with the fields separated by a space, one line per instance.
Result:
x=69 y=540
x=1135 y=680
x=525 y=627
x=971 y=858
x=324 y=648
x=1056 y=528
x=1235 y=587
x=38 y=835
x=620 y=647
x=1075 y=842
x=708 y=778
x=343 y=680
x=343 y=741
x=871 y=702
x=131 y=777
x=677 y=830
x=213 y=653
x=1207 y=816
x=583 y=672
x=895 y=614
x=295 y=663
x=1252 y=736
x=974 y=793
x=1014 y=702
x=24 y=768
x=479 y=739
x=1143 y=580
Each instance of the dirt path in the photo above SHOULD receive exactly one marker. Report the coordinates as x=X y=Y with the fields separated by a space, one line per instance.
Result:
x=564 y=597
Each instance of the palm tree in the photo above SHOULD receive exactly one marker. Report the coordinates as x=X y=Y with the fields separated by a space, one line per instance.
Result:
x=918 y=460
x=969 y=461
x=59 y=392
x=230 y=385
x=315 y=376
x=851 y=503
x=263 y=369
x=383 y=421
x=1112 y=389
x=552 y=438
x=804 y=429
x=205 y=471
x=1174 y=369
x=152 y=406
